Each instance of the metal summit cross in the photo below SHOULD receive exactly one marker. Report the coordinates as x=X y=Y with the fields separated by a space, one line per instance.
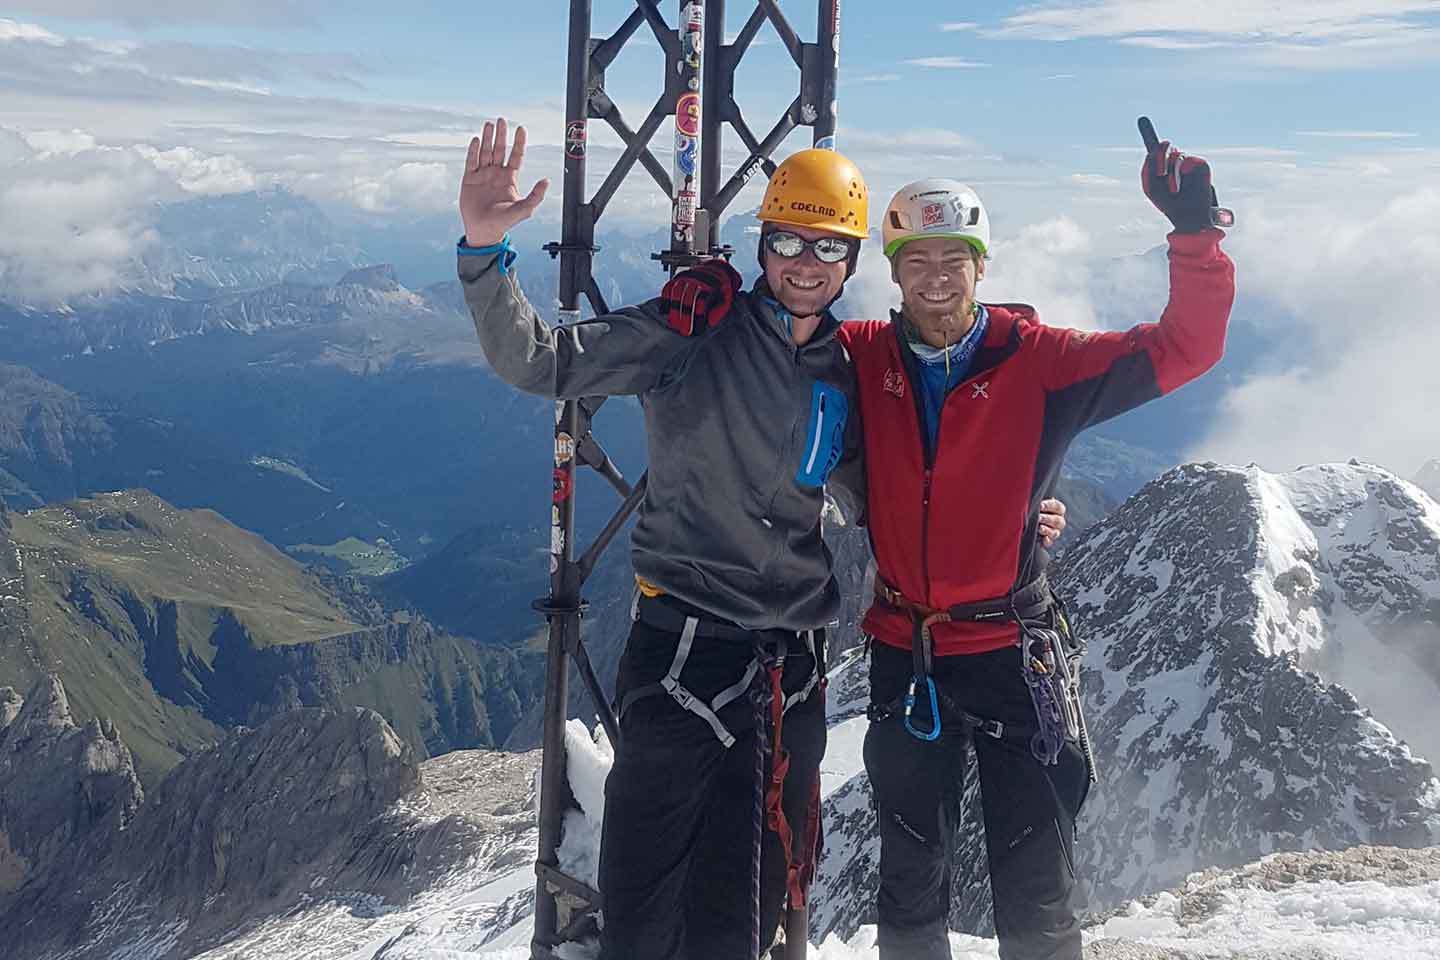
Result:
x=698 y=90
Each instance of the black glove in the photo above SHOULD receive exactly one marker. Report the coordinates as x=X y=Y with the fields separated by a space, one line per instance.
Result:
x=1179 y=186
x=700 y=298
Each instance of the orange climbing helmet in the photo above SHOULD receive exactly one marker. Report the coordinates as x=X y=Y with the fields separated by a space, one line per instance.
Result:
x=820 y=189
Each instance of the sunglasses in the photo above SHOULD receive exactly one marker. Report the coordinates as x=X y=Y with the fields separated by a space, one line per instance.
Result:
x=789 y=245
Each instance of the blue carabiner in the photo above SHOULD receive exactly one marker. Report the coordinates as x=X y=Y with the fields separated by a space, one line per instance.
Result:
x=934 y=732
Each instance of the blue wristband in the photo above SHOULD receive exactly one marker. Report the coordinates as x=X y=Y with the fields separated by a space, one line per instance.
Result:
x=503 y=252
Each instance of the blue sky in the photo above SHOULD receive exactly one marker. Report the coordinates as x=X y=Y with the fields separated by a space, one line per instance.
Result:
x=1034 y=102
x=1241 y=76
x=1317 y=116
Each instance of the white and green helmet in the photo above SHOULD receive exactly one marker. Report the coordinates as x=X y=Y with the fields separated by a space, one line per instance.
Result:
x=936 y=208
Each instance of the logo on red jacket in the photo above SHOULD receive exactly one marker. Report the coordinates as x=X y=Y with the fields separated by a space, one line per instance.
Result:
x=895 y=382
x=931 y=215
x=980 y=390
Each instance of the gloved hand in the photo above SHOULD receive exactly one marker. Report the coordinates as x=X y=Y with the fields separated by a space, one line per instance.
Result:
x=700 y=298
x=1179 y=186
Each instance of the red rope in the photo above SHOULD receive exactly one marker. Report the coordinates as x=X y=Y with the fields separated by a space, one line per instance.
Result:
x=799 y=869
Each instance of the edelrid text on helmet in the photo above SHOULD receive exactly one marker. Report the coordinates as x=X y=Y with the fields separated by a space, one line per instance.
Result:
x=814 y=208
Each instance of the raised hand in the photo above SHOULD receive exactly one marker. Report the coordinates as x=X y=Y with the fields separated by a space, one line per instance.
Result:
x=1179 y=185
x=490 y=201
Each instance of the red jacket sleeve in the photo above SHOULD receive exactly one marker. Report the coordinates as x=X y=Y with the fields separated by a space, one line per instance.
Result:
x=1109 y=373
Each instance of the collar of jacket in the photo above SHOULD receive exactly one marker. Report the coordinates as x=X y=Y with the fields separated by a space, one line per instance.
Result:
x=770 y=309
x=1002 y=340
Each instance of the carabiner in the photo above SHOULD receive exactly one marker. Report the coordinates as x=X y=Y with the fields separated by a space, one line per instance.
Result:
x=934 y=732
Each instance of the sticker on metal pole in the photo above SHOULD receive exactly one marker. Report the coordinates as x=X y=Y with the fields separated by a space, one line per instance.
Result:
x=575 y=135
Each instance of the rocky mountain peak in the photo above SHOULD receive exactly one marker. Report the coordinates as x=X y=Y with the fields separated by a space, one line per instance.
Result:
x=44 y=715
x=264 y=817
x=10 y=703
x=379 y=277
x=62 y=787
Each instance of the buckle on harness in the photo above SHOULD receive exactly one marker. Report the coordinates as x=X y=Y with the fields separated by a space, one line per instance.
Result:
x=934 y=732
x=681 y=695
x=993 y=729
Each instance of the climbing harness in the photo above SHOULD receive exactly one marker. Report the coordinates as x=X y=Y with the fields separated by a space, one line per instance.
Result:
x=763 y=680
x=1050 y=666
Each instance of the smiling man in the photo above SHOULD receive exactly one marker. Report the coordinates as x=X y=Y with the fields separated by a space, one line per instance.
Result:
x=745 y=422
x=969 y=409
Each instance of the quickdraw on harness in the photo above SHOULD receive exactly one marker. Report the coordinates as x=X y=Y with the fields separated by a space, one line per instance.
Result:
x=1050 y=660
x=763 y=681
x=1050 y=664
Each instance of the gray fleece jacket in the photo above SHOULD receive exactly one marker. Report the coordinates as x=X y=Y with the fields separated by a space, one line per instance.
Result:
x=744 y=428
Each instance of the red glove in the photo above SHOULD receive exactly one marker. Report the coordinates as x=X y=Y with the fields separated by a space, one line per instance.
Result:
x=700 y=298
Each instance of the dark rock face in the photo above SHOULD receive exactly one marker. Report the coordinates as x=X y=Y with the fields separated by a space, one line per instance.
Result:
x=61 y=785
x=243 y=828
x=1207 y=599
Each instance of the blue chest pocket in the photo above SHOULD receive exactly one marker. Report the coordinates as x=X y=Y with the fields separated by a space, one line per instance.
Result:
x=824 y=435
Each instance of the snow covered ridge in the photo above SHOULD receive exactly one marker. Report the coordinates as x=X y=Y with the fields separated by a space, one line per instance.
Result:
x=1223 y=608
x=1228 y=611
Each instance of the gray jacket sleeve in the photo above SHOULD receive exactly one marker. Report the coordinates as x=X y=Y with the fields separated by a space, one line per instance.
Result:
x=626 y=352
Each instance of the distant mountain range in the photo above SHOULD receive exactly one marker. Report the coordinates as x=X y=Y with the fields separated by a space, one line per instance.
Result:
x=174 y=626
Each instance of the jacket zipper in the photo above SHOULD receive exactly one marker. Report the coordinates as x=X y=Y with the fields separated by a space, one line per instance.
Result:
x=819 y=432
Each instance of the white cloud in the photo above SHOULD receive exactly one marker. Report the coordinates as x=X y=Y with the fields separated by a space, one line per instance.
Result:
x=70 y=224
x=1094 y=180
x=1357 y=134
x=959 y=26
x=1357 y=294
x=946 y=63
x=12 y=30
x=151 y=13
x=1246 y=152
x=65 y=142
x=920 y=138
x=1172 y=43
x=197 y=173
x=408 y=187
x=1313 y=34
x=1050 y=266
